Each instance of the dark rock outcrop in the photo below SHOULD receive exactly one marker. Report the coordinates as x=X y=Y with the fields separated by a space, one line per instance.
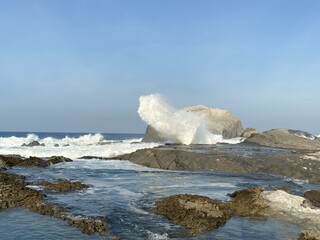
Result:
x=228 y=159
x=199 y=213
x=33 y=144
x=14 y=193
x=314 y=197
x=16 y=160
x=63 y=185
x=285 y=138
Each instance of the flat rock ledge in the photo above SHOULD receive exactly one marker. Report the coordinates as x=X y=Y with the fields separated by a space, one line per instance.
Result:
x=234 y=159
x=63 y=185
x=14 y=193
x=198 y=213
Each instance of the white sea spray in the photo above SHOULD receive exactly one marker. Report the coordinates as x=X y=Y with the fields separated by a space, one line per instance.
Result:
x=177 y=125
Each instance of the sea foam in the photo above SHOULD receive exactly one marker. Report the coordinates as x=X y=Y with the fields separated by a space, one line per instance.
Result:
x=85 y=145
x=177 y=125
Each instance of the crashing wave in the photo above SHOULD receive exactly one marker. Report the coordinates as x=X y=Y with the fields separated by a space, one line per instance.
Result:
x=177 y=125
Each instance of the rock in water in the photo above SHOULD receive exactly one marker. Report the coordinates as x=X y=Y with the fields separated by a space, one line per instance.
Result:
x=314 y=197
x=285 y=138
x=218 y=121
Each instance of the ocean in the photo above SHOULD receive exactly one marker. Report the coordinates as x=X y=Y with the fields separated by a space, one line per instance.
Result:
x=125 y=193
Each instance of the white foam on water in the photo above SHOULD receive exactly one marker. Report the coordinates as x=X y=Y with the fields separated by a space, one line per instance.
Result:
x=293 y=207
x=177 y=125
x=77 y=149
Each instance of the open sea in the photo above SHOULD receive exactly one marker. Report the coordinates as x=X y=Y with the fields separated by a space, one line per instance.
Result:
x=125 y=193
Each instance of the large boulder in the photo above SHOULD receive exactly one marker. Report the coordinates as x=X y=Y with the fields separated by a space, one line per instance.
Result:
x=218 y=121
x=285 y=138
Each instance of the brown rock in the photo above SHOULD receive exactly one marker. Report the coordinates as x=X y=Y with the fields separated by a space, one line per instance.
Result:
x=248 y=132
x=309 y=235
x=248 y=202
x=63 y=185
x=16 y=160
x=313 y=196
x=199 y=213
x=196 y=213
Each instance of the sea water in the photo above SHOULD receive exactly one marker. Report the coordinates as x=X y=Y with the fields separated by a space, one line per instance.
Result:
x=125 y=193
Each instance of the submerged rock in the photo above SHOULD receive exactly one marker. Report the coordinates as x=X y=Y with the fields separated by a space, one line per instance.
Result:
x=285 y=138
x=314 y=197
x=199 y=213
x=218 y=121
x=63 y=185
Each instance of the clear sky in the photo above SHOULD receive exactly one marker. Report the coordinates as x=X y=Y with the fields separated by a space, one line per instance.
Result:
x=81 y=65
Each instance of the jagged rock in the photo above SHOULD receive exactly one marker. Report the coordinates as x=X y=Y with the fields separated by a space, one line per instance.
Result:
x=16 y=160
x=285 y=138
x=218 y=121
x=199 y=213
x=309 y=235
x=33 y=144
x=314 y=197
x=248 y=132
x=63 y=185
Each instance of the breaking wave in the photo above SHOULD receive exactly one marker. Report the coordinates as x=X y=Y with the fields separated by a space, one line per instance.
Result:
x=177 y=125
x=71 y=147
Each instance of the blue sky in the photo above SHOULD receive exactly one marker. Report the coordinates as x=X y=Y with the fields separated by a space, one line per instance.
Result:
x=81 y=65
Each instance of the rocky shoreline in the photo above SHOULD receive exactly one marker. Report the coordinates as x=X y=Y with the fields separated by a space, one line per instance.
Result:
x=14 y=192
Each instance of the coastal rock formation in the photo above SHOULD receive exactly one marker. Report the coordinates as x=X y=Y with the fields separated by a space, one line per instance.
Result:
x=14 y=193
x=314 y=197
x=228 y=159
x=33 y=144
x=285 y=138
x=199 y=213
x=248 y=132
x=63 y=185
x=16 y=160
x=218 y=121
x=2 y=165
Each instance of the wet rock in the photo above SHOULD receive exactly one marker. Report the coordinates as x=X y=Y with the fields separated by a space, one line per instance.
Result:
x=285 y=138
x=14 y=193
x=16 y=160
x=63 y=185
x=309 y=235
x=199 y=213
x=247 y=202
x=196 y=213
x=235 y=159
x=56 y=145
x=314 y=197
x=33 y=144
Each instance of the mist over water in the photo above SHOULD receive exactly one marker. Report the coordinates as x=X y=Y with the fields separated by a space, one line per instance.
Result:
x=176 y=125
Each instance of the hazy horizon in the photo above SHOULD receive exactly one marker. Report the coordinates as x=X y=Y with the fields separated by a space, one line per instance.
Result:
x=81 y=66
